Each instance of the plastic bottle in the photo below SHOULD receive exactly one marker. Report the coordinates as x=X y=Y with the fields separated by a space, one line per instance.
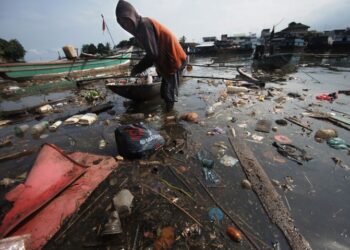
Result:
x=114 y=225
x=20 y=130
x=55 y=126
x=37 y=129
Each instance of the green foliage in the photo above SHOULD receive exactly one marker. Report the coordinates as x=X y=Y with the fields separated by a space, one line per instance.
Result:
x=3 y=44
x=182 y=40
x=11 y=50
x=101 y=49
x=92 y=49
x=85 y=48
x=131 y=42
x=123 y=43
x=92 y=95
x=108 y=48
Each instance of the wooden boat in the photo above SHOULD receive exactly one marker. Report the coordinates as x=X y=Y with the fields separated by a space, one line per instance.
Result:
x=65 y=68
x=137 y=92
x=276 y=61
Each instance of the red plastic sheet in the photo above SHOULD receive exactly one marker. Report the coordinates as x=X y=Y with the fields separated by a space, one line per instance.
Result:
x=48 y=219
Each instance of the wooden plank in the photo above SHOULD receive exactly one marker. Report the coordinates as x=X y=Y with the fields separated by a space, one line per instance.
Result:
x=267 y=194
x=299 y=123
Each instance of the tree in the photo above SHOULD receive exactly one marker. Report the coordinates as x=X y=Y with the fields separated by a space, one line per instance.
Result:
x=3 y=44
x=101 y=48
x=12 y=50
x=123 y=43
x=92 y=49
x=108 y=48
x=182 y=40
x=132 y=42
x=85 y=48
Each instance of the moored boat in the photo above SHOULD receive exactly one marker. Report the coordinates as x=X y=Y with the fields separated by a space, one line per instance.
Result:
x=65 y=68
x=137 y=92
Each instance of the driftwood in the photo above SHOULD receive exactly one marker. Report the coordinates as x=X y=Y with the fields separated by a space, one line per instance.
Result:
x=16 y=155
x=211 y=77
x=267 y=194
x=25 y=111
x=95 y=109
x=216 y=66
x=340 y=112
x=5 y=122
x=296 y=122
x=173 y=203
x=5 y=142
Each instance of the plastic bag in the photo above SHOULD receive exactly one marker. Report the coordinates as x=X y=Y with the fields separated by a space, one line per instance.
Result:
x=137 y=141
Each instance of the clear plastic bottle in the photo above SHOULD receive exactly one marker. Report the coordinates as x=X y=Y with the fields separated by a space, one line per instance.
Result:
x=39 y=128
x=21 y=129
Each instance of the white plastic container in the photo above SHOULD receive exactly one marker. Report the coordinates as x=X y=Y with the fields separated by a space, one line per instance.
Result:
x=55 y=126
x=45 y=109
x=88 y=119
x=236 y=89
x=73 y=120
x=123 y=200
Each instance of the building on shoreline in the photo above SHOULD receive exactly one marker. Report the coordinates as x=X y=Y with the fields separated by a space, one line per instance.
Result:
x=239 y=43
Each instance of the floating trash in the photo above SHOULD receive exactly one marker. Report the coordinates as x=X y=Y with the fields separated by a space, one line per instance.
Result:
x=209 y=111
x=338 y=143
x=192 y=231
x=257 y=138
x=166 y=239
x=325 y=134
x=246 y=184
x=282 y=139
x=123 y=201
x=21 y=129
x=216 y=215
x=211 y=176
x=113 y=226
x=102 y=144
x=55 y=126
x=73 y=120
x=292 y=152
x=216 y=131
x=234 y=234
x=263 y=126
x=228 y=161
x=281 y=122
x=88 y=119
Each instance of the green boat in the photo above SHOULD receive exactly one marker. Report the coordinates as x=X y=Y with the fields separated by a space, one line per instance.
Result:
x=64 y=68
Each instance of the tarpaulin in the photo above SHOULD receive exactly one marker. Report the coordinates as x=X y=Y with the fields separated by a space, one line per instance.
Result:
x=58 y=206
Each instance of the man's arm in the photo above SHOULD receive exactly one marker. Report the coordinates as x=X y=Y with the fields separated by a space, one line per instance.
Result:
x=146 y=35
x=144 y=64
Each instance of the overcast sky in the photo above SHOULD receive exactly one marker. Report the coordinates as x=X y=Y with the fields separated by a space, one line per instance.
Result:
x=44 y=26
